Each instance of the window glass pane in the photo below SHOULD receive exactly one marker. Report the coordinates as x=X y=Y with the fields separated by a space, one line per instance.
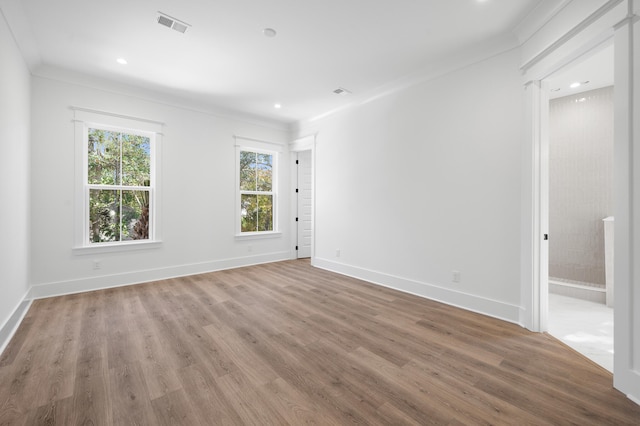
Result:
x=265 y=213
x=249 y=213
x=264 y=170
x=135 y=215
x=256 y=175
x=136 y=160
x=247 y=171
x=104 y=215
x=103 y=157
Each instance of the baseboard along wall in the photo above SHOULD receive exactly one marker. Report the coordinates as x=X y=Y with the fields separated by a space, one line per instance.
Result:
x=481 y=305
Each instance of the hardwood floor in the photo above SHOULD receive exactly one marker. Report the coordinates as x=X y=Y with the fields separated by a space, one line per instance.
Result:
x=286 y=343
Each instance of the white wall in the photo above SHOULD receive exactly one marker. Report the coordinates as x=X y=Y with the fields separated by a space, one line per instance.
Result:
x=14 y=181
x=198 y=193
x=414 y=185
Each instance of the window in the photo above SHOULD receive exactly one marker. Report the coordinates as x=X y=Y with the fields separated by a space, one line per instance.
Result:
x=118 y=185
x=257 y=196
x=117 y=198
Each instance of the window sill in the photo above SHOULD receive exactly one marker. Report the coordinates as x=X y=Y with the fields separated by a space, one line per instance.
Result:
x=116 y=247
x=258 y=235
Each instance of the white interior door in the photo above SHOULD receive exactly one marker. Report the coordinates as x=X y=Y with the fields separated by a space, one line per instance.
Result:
x=305 y=204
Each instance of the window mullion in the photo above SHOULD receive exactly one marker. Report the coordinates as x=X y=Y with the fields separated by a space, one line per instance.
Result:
x=244 y=192
x=120 y=165
x=120 y=215
x=118 y=187
x=255 y=163
x=257 y=212
x=120 y=190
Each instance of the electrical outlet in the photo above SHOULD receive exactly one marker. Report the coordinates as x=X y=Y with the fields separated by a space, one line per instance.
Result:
x=97 y=264
x=337 y=252
x=455 y=276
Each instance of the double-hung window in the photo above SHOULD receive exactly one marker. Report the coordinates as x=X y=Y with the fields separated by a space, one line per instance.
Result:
x=117 y=203
x=257 y=182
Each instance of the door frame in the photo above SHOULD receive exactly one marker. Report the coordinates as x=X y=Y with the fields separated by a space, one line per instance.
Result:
x=538 y=125
x=535 y=177
x=306 y=143
x=617 y=20
x=541 y=181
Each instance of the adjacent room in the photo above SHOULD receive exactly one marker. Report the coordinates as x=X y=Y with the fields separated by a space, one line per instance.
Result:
x=581 y=255
x=285 y=212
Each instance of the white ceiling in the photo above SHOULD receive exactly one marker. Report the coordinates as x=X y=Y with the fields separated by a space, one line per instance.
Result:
x=224 y=60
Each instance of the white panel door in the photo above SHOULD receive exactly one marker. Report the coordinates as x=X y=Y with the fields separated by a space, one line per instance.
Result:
x=305 y=204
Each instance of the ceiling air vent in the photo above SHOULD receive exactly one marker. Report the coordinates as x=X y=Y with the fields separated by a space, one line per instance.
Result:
x=341 y=91
x=173 y=23
x=179 y=27
x=163 y=20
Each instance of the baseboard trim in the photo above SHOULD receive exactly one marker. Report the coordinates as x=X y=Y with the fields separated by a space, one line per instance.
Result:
x=81 y=285
x=10 y=327
x=481 y=305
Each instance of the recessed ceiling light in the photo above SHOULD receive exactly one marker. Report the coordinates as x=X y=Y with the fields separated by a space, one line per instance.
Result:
x=578 y=84
x=121 y=61
x=277 y=106
x=269 y=32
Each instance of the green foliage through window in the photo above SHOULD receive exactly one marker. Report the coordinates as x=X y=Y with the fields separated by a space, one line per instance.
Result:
x=119 y=183
x=256 y=192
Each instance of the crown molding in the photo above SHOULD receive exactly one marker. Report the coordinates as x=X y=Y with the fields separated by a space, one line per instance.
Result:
x=539 y=17
x=437 y=68
x=48 y=72
x=569 y=35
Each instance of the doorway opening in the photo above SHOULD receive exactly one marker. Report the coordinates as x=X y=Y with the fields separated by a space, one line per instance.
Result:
x=579 y=195
x=304 y=204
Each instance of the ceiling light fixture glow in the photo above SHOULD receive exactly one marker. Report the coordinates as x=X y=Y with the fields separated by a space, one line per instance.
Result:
x=277 y=106
x=121 y=61
x=578 y=84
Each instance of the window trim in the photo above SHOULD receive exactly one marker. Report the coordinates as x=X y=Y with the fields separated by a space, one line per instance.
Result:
x=251 y=145
x=83 y=120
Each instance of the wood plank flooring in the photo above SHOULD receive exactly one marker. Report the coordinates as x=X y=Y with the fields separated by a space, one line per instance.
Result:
x=285 y=343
